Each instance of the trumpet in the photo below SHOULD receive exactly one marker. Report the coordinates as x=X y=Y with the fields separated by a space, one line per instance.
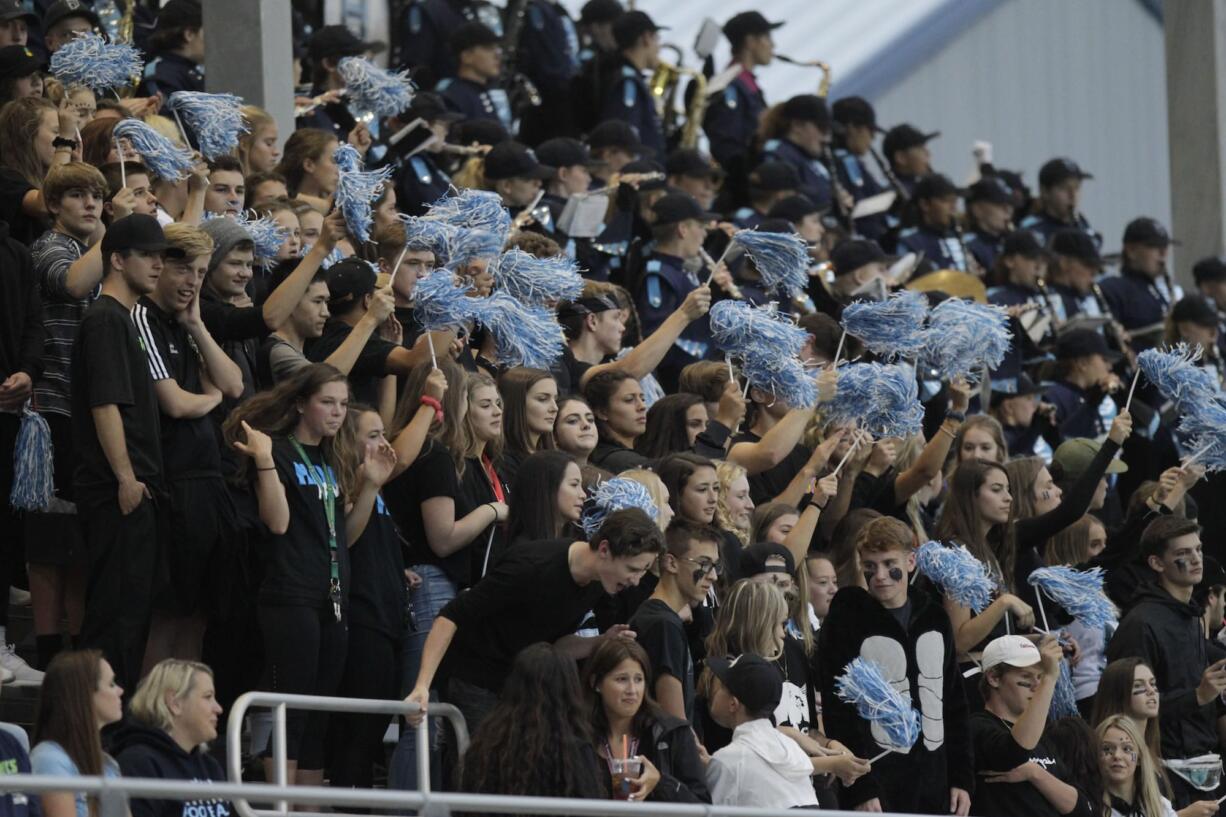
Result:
x=823 y=88
x=464 y=150
x=665 y=82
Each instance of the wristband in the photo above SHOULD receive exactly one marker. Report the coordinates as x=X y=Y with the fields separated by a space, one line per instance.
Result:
x=269 y=468
x=427 y=400
x=493 y=508
x=61 y=142
x=955 y=415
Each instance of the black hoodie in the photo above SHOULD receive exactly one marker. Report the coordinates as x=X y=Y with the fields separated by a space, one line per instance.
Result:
x=1167 y=633
x=918 y=782
x=21 y=328
x=145 y=752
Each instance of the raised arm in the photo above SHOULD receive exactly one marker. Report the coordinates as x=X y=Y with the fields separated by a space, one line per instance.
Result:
x=643 y=359
x=283 y=300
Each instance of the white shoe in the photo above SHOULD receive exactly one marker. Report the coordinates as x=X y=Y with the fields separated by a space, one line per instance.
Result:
x=22 y=674
x=5 y=676
x=19 y=597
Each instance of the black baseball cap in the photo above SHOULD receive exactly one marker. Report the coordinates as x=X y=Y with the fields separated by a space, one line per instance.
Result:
x=1057 y=170
x=1195 y=309
x=755 y=557
x=180 y=14
x=991 y=189
x=773 y=176
x=61 y=10
x=472 y=35
x=691 y=162
x=614 y=133
x=631 y=25
x=752 y=680
x=935 y=186
x=1208 y=270
x=513 y=160
x=349 y=281
x=807 y=108
x=855 y=110
x=134 y=232
x=338 y=41
x=848 y=256
x=600 y=11
x=794 y=208
x=15 y=9
x=481 y=131
x=1083 y=343
x=902 y=137
x=563 y=152
x=1023 y=243
x=1005 y=387
x=745 y=24
x=1147 y=231
x=18 y=61
x=429 y=106
x=1077 y=244
x=673 y=208
x=647 y=166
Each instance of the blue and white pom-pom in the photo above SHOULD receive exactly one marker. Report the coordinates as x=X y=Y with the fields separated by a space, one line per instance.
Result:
x=432 y=236
x=441 y=303
x=863 y=686
x=372 y=89
x=538 y=281
x=472 y=209
x=97 y=64
x=1175 y=374
x=960 y=575
x=523 y=335
x=882 y=399
x=1079 y=592
x=964 y=337
x=1202 y=430
x=471 y=245
x=784 y=378
x=357 y=189
x=782 y=259
x=215 y=120
x=745 y=331
x=163 y=157
x=267 y=235
x=616 y=494
x=891 y=328
x=1064 y=696
x=33 y=458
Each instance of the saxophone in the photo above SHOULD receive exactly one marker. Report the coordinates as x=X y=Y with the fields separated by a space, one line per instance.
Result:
x=127 y=23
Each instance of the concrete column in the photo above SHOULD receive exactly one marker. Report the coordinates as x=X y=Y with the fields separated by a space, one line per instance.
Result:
x=1196 y=122
x=248 y=51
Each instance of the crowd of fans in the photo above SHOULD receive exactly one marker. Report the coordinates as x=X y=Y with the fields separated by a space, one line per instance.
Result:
x=268 y=474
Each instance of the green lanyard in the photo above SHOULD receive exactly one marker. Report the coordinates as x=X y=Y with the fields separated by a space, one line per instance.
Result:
x=328 y=492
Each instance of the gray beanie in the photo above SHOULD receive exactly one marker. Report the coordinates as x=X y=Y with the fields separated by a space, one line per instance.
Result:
x=225 y=232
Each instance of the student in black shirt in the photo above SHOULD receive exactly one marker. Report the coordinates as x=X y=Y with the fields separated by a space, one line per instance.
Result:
x=191 y=374
x=549 y=498
x=29 y=131
x=539 y=592
x=288 y=434
x=1020 y=774
x=406 y=256
x=118 y=440
x=688 y=570
x=530 y=397
x=617 y=401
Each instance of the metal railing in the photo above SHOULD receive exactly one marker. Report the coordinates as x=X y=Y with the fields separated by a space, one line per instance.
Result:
x=281 y=703
x=434 y=804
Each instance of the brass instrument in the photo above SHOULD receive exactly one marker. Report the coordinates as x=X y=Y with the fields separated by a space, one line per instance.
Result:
x=1117 y=328
x=464 y=150
x=127 y=23
x=823 y=88
x=664 y=84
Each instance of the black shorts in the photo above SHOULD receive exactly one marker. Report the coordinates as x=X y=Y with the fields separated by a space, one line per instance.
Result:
x=57 y=538
x=199 y=518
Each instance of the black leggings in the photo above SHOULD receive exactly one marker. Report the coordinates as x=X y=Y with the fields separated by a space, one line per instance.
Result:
x=372 y=670
x=304 y=654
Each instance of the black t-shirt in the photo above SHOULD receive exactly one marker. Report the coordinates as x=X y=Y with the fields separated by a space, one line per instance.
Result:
x=995 y=750
x=297 y=563
x=410 y=324
x=13 y=188
x=798 y=704
x=660 y=631
x=377 y=596
x=189 y=445
x=238 y=331
x=568 y=372
x=368 y=369
x=769 y=484
x=475 y=489
x=109 y=367
x=431 y=475
x=529 y=596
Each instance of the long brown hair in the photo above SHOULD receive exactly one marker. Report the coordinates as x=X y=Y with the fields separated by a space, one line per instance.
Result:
x=1023 y=473
x=350 y=449
x=960 y=520
x=303 y=144
x=1114 y=697
x=273 y=411
x=982 y=422
x=20 y=121
x=603 y=660
x=514 y=385
x=1070 y=546
x=450 y=432
x=98 y=140
x=65 y=711
x=492 y=448
x=256 y=119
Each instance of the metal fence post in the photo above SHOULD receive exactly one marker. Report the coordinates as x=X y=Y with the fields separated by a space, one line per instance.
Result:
x=279 y=752
x=423 y=755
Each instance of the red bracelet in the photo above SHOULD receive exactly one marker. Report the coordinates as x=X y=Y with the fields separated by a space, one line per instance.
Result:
x=427 y=400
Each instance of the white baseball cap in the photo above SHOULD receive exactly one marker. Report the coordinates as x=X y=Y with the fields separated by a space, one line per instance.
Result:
x=1014 y=650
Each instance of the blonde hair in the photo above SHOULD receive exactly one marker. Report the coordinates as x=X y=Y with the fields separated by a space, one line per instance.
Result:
x=650 y=481
x=908 y=452
x=1145 y=779
x=746 y=621
x=166 y=127
x=728 y=473
x=188 y=239
x=493 y=448
x=256 y=119
x=173 y=678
